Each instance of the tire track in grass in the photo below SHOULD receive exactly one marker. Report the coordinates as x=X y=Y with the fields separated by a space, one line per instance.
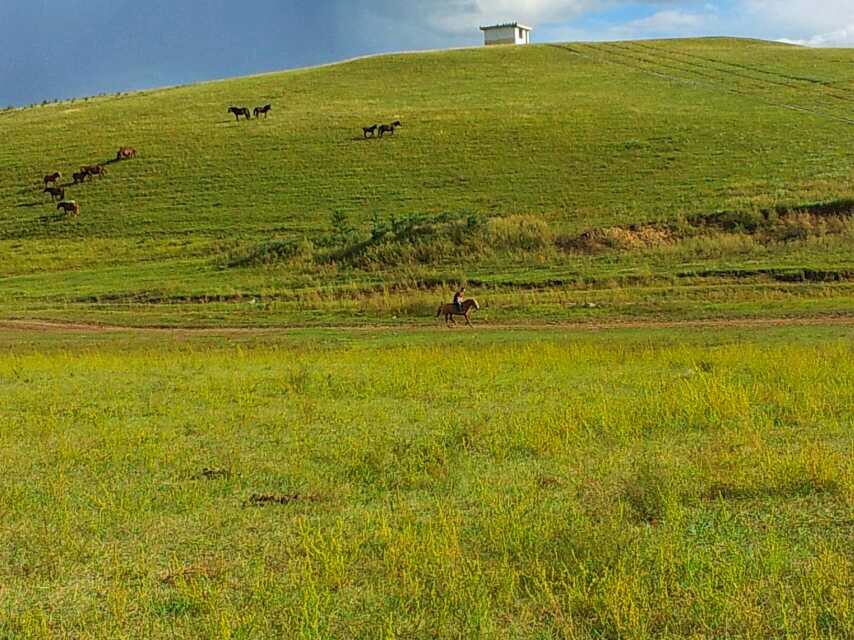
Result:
x=724 y=79
x=618 y=59
x=829 y=86
x=800 y=93
x=707 y=68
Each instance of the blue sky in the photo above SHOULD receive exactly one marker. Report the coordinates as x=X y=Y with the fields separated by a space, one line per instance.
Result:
x=66 y=48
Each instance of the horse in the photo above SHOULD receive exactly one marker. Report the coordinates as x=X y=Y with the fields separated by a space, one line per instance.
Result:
x=94 y=170
x=52 y=178
x=265 y=110
x=56 y=193
x=450 y=310
x=240 y=111
x=370 y=130
x=70 y=207
x=79 y=177
x=389 y=128
x=126 y=153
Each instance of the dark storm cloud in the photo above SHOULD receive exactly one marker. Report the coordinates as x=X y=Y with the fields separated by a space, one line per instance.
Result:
x=55 y=50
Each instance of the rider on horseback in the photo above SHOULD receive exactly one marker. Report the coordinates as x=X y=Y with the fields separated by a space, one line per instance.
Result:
x=458 y=299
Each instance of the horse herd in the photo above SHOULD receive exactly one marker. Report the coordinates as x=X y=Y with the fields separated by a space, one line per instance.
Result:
x=56 y=191
x=376 y=130
x=380 y=129
x=244 y=111
x=72 y=208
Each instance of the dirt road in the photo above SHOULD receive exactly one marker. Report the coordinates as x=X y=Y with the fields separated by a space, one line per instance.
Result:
x=78 y=327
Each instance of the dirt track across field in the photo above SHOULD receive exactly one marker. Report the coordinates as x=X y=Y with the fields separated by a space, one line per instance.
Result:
x=78 y=327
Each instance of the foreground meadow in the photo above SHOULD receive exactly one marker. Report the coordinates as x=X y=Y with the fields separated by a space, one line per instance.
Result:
x=526 y=484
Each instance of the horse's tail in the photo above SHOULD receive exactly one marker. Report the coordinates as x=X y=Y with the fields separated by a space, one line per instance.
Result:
x=439 y=312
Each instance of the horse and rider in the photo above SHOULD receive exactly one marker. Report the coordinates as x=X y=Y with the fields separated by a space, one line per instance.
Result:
x=459 y=307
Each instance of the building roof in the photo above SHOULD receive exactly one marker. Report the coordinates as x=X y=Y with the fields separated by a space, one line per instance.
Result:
x=505 y=26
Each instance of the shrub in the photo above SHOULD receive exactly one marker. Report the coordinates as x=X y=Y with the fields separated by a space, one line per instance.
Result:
x=519 y=232
x=275 y=252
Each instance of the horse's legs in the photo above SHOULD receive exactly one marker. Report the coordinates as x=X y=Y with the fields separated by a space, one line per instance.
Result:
x=468 y=322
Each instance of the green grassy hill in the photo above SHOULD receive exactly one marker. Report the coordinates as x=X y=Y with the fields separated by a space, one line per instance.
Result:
x=610 y=164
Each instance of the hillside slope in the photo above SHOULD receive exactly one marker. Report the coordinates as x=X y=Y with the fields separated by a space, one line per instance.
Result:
x=579 y=136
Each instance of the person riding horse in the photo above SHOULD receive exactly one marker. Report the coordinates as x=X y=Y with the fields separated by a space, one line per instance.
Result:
x=458 y=299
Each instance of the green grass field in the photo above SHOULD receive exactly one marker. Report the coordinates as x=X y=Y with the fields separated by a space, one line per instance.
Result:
x=638 y=145
x=322 y=484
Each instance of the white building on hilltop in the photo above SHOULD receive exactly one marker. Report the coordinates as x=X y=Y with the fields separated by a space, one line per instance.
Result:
x=507 y=33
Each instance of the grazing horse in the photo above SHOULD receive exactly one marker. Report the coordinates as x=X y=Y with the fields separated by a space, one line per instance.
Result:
x=240 y=111
x=389 y=128
x=70 y=207
x=126 y=153
x=370 y=130
x=56 y=193
x=79 y=177
x=450 y=310
x=52 y=178
x=94 y=170
x=265 y=110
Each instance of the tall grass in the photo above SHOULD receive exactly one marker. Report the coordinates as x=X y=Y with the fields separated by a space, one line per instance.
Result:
x=630 y=485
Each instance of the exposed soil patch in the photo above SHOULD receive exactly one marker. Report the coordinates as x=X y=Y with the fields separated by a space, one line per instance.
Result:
x=263 y=500
x=213 y=474
x=201 y=570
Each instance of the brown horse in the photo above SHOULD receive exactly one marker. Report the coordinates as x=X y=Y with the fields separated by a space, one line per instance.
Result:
x=52 y=178
x=265 y=110
x=79 y=177
x=94 y=170
x=70 y=207
x=450 y=310
x=126 y=153
x=240 y=111
x=57 y=193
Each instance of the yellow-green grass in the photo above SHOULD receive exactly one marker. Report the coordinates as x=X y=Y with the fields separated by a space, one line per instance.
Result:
x=577 y=136
x=638 y=484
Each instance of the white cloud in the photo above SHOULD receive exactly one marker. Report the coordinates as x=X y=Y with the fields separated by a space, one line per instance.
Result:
x=463 y=16
x=664 y=23
x=820 y=23
x=839 y=38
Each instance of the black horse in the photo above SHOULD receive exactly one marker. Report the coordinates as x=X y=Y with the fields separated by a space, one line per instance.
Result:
x=389 y=128
x=56 y=193
x=265 y=110
x=369 y=132
x=240 y=111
